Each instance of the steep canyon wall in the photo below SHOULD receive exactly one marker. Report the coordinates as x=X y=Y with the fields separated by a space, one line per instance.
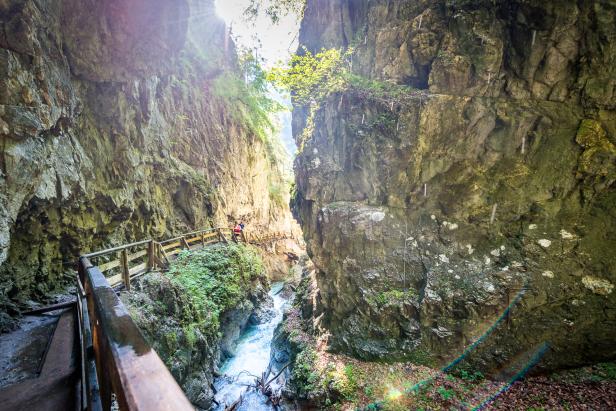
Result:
x=117 y=123
x=489 y=183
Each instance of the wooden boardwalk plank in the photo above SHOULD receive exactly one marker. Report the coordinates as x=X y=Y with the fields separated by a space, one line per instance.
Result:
x=56 y=386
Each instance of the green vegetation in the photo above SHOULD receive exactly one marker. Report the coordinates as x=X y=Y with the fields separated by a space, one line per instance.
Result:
x=376 y=89
x=293 y=192
x=471 y=375
x=347 y=384
x=248 y=97
x=312 y=77
x=245 y=93
x=301 y=291
x=304 y=376
x=180 y=311
x=369 y=391
x=391 y=297
x=330 y=385
x=211 y=281
x=243 y=89
x=277 y=194
x=446 y=394
x=421 y=356
x=607 y=371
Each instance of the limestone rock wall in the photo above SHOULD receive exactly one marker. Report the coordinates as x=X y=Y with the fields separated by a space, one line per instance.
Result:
x=489 y=184
x=113 y=128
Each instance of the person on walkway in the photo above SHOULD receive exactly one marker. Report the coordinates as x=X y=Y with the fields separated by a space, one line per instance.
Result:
x=237 y=230
x=242 y=225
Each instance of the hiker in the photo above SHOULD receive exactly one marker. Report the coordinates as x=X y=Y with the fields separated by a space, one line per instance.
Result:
x=237 y=230
x=242 y=225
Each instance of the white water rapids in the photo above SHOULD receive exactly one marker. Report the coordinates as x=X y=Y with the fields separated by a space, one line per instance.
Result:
x=251 y=359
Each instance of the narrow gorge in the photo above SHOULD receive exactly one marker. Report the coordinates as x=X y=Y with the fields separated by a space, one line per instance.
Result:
x=443 y=237
x=137 y=129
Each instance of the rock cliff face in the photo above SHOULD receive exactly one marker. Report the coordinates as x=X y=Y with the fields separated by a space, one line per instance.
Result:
x=116 y=123
x=488 y=184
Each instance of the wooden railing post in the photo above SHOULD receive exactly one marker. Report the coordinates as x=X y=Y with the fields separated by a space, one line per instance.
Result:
x=184 y=242
x=243 y=236
x=151 y=263
x=163 y=254
x=221 y=235
x=158 y=259
x=91 y=399
x=202 y=239
x=125 y=270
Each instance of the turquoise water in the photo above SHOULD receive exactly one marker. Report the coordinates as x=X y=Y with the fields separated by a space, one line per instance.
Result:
x=251 y=359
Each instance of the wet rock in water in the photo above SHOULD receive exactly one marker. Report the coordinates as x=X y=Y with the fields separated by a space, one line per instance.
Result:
x=288 y=290
x=254 y=357
x=263 y=313
x=231 y=325
x=281 y=351
x=486 y=179
x=199 y=390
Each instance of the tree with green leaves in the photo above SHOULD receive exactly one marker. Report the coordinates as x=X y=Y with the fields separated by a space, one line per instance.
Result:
x=312 y=77
x=275 y=9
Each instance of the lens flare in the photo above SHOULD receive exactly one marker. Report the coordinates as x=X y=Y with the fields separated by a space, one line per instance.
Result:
x=393 y=394
x=526 y=364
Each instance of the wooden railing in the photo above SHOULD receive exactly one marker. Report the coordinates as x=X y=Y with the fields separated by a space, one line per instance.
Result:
x=115 y=357
x=135 y=259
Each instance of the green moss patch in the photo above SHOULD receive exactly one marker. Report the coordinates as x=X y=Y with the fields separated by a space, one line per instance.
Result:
x=213 y=280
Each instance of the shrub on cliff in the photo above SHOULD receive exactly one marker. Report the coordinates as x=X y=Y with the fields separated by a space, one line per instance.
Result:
x=213 y=280
x=312 y=77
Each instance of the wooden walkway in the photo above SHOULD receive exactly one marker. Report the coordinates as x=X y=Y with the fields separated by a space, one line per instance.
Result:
x=97 y=353
x=132 y=260
x=56 y=386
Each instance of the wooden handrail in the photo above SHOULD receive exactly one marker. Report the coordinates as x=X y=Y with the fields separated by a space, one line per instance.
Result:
x=90 y=394
x=126 y=365
x=170 y=240
x=138 y=243
x=114 y=249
